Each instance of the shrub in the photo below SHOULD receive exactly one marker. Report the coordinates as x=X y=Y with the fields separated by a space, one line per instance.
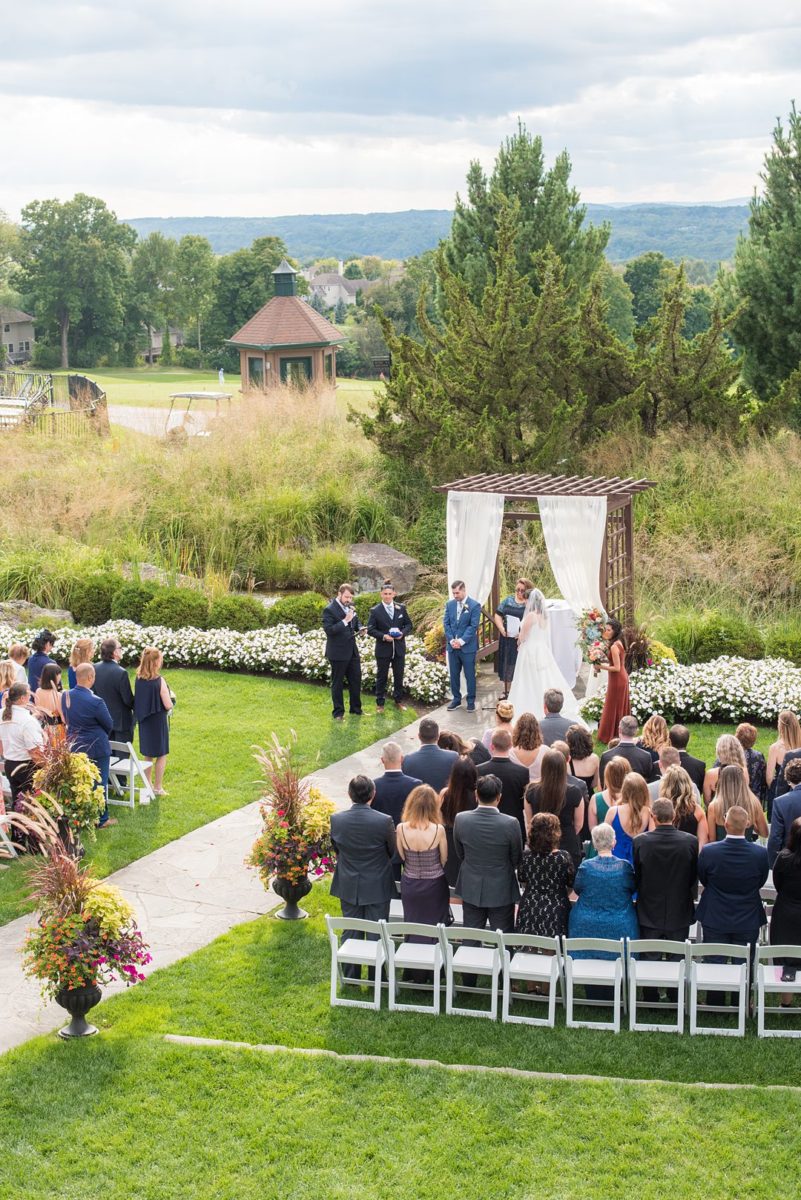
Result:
x=282 y=569
x=328 y=569
x=131 y=600
x=784 y=640
x=710 y=634
x=304 y=610
x=434 y=642
x=177 y=607
x=92 y=596
x=364 y=602
x=660 y=652
x=426 y=538
x=189 y=357
x=242 y=613
x=45 y=357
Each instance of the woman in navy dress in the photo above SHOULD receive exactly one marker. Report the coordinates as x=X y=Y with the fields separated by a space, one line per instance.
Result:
x=152 y=702
x=506 y=658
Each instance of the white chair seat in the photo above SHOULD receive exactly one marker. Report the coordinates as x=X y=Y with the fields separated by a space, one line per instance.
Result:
x=537 y=967
x=717 y=976
x=652 y=974
x=771 y=974
x=416 y=954
x=594 y=970
x=356 y=950
x=474 y=960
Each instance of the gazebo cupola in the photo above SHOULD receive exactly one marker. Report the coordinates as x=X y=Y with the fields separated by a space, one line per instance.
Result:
x=286 y=341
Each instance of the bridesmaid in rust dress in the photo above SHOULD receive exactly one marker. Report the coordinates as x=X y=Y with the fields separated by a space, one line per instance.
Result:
x=616 y=704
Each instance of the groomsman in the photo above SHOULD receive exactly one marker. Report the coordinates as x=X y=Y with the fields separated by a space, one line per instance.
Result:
x=389 y=624
x=341 y=626
x=462 y=615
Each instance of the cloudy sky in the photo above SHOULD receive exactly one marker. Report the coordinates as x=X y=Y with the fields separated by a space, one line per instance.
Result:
x=260 y=108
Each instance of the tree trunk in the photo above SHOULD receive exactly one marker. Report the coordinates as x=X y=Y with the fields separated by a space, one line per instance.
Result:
x=150 y=344
x=199 y=346
x=64 y=322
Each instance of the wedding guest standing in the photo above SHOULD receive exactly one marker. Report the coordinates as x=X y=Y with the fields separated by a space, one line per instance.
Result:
x=389 y=623
x=631 y=816
x=785 y=922
x=732 y=791
x=507 y=618
x=152 y=702
x=21 y=740
x=458 y=796
x=113 y=685
x=616 y=771
x=695 y=767
x=754 y=760
x=554 y=795
x=47 y=700
x=666 y=872
x=654 y=735
x=8 y=676
x=341 y=624
x=504 y=719
x=605 y=887
x=430 y=764
x=732 y=872
x=472 y=748
x=89 y=724
x=514 y=779
x=786 y=810
x=553 y=725
x=584 y=763
x=424 y=850
x=42 y=645
x=546 y=876
x=688 y=815
x=626 y=747
x=728 y=752
x=19 y=655
x=528 y=748
x=462 y=616
x=489 y=848
x=616 y=701
x=786 y=748
x=83 y=651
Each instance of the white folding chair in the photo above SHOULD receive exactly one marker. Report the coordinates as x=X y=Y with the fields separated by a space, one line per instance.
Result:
x=594 y=972
x=718 y=977
x=402 y=955
x=481 y=959
x=650 y=973
x=359 y=952
x=125 y=768
x=769 y=983
x=530 y=959
x=396 y=910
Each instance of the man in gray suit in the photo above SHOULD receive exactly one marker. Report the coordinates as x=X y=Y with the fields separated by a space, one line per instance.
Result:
x=489 y=847
x=364 y=842
x=553 y=726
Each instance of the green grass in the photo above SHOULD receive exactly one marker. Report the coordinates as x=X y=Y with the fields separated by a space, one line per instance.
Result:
x=151 y=386
x=210 y=770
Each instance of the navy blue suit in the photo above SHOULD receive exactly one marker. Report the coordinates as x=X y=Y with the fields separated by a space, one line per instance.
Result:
x=89 y=725
x=730 y=908
x=391 y=791
x=430 y=764
x=463 y=658
x=786 y=809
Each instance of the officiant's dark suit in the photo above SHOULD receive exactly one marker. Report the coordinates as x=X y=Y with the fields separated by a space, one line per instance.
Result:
x=342 y=651
x=388 y=615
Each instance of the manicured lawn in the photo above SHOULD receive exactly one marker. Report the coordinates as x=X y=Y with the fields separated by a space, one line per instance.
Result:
x=210 y=770
x=703 y=738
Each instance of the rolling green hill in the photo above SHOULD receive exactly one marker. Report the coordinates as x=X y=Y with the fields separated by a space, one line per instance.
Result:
x=704 y=231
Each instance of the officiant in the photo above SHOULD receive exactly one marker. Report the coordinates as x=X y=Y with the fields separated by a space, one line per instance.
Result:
x=389 y=624
x=507 y=618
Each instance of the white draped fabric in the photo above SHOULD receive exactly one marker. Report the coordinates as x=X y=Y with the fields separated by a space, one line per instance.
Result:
x=474 y=534
x=574 y=528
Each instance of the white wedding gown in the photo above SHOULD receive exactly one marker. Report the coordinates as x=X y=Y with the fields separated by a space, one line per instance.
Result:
x=536 y=671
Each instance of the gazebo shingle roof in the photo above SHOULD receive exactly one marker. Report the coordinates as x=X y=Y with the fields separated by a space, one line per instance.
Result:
x=286 y=321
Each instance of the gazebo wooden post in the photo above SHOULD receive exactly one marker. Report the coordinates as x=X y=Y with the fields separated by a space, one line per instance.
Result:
x=628 y=526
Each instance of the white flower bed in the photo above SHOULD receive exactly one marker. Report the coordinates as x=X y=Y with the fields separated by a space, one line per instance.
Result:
x=726 y=689
x=282 y=650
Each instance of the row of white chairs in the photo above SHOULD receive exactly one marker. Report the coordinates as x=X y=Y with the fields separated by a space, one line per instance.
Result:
x=515 y=963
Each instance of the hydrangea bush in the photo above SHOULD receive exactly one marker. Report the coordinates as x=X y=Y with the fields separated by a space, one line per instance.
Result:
x=726 y=689
x=281 y=650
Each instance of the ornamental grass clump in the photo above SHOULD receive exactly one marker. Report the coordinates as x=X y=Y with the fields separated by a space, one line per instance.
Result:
x=66 y=786
x=295 y=841
x=86 y=933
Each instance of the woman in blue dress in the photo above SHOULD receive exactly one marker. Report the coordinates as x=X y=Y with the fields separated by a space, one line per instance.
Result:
x=506 y=658
x=631 y=816
x=605 y=889
x=152 y=702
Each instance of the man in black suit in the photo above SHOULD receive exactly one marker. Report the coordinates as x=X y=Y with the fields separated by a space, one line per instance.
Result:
x=390 y=624
x=364 y=842
x=489 y=848
x=391 y=790
x=341 y=649
x=430 y=764
x=514 y=778
x=666 y=871
x=638 y=759
x=113 y=687
x=695 y=768
x=786 y=809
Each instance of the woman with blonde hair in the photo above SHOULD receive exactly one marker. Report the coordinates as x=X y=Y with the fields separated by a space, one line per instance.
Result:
x=728 y=753
x=8 y=676
x=19 y=655
x=654 y=735
x=423 y=850
x=152 y=702
x=789 y=729
x=504 y=715
x=631 y=816
x=688 y=816
x=528 y=747
x=733 y=791
x=83 y=651
x=616 y=771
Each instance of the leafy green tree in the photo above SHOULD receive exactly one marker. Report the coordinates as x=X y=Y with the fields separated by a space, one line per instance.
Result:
x=75 y=268
x=154 y=285
x=648 y=278
x=10 y=256
x=698 y=316
x=767 y=268
x=353 y=269
x=550 y=215
x=244 y=284
x=371 y=267
x=195 y=275
x=398 y=300
x=619 y=301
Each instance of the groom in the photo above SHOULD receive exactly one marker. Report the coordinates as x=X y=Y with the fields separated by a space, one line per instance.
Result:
x=462 y=615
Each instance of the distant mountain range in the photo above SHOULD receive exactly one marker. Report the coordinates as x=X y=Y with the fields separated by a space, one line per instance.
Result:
x=705 y=231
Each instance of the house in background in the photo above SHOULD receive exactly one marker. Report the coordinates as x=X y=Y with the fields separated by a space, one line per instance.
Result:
x=16 y=334
x=330 y=287
x=156 y=343
x=286 y=341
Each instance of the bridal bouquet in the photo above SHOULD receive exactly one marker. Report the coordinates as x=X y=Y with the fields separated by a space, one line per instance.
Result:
x=591 y=641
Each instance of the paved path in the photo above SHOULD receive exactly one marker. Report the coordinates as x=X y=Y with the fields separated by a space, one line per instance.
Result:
x=192 y=890
x=154 y=421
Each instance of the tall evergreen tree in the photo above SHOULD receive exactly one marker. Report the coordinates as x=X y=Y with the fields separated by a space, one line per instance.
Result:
x=551 y=214
x=767 y=268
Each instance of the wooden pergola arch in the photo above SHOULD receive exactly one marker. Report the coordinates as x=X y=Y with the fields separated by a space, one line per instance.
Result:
x=617 y=563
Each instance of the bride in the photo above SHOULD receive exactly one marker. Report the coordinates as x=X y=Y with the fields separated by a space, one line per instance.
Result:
x=536 y=668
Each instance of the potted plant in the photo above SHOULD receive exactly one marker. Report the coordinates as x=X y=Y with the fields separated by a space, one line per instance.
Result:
x=66 y=786
x=86 y=936
x=295 y=841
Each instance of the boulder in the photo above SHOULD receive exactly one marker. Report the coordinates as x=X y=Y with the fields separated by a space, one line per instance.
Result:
x=373 y=562
x=147 y=573
x=21 y=614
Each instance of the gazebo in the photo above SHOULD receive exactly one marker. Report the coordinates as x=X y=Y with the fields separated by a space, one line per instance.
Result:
x=286 y=341
x=616 y=582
